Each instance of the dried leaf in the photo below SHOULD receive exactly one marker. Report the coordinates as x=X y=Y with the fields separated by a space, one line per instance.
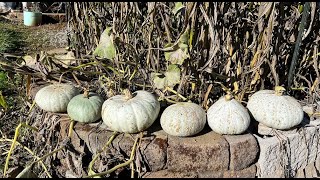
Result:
x=236 y=86
x=256 y=78
x=239 y=68
x=30 y=61
x=67 y=58
x=255 y=58
x=264 y=9
x=106 y=47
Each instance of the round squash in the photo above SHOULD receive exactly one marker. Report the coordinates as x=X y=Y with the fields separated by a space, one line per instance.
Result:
x=228 y=116
x=130 y=113
x=183 y=119
x=55 y=97
x=274 y=109
x=85 y=108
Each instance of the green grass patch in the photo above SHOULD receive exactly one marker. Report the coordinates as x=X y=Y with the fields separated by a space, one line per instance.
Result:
x=3 y=80
x=11 y=37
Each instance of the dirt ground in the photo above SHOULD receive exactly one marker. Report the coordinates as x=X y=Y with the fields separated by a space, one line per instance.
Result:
x=37 y=38
x=46 y=37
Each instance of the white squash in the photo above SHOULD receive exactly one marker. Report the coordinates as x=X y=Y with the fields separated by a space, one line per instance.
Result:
x=183 y=119
x=55 y=97
x=228 y=116
x=130 y=113
x=274 y=109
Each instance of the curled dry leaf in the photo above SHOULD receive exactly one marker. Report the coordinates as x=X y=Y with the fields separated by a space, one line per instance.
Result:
x=30 y=61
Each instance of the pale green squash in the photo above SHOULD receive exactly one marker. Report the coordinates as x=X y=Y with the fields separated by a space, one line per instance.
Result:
x=85 y=108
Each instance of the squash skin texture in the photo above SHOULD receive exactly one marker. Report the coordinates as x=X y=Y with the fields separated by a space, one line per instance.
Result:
x=183 y=119
x=228 y=117
x=85 y=109
x=55 y=97
x=278 y=112
x=133 y=115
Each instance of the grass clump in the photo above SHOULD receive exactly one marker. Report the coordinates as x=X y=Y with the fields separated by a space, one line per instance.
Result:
x=10 y=39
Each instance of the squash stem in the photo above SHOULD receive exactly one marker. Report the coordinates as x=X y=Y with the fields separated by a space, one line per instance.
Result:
x=228 y=97
x=86 y=93
x=279 y=90
x=127 y=94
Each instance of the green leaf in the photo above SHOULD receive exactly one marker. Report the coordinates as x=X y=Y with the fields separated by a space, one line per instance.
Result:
x=178 y=6
x=169 y=79
x=178 y=56
x=185 y=36
x=106 y=47
x=159 y=82
x=172 y=75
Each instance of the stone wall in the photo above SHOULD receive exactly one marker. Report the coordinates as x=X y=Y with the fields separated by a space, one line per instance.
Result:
x=292 y=153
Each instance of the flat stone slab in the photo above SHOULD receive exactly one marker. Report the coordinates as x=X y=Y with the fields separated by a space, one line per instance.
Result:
x=244 y=150
x=206 y=152
x=153 y=147
x=249 y=172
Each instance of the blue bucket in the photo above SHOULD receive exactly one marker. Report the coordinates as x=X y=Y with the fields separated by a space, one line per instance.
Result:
x=32 y=18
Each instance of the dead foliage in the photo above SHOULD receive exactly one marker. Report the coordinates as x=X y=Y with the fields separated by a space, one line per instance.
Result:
x=244 y=46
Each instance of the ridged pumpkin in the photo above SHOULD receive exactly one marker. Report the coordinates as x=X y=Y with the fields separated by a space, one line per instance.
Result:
x=274 y=109
x=130 y=113
x=55 y=97
x=228 y=116
x=85 y=108
x=183 y=119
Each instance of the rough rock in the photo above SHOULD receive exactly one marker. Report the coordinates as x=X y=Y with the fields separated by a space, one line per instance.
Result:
x=310 y=171
x=267 y=131
x=249 y=172
x=309 y=109
x=243 y=150
x=170 y=174
x=317 y=164
x=312 y=138
x=284 y=154
x=300 y=173
x=206 y=152
x=153 y=148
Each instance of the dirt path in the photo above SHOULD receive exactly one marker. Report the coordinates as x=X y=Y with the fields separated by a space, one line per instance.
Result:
x=30 y=40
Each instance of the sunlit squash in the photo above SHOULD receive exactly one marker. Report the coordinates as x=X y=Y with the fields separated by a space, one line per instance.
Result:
x=183 y=119
x=228 y=116
x=131 y=112
x=274 y=109
x=55 y=97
